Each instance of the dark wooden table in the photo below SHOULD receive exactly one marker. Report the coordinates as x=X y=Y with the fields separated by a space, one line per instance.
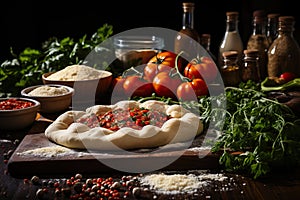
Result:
x=279 y=185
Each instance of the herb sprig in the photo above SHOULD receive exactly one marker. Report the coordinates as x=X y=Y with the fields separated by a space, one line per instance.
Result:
x=264 y=131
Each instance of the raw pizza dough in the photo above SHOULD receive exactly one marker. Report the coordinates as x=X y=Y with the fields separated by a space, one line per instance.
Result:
x=182 y=127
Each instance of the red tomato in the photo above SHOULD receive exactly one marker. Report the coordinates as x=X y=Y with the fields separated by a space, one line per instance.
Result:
x=164 y=85
x=134 y=85
x=287 y=76
x=191 y=90
x=199 y=87
x=203 y=68
x=186 y=92
x=167 y=58
x=151 y=69
x=117 y=85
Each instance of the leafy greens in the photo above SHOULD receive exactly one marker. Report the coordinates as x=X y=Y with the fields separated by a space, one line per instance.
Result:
x=26 y=68
x=265 y=132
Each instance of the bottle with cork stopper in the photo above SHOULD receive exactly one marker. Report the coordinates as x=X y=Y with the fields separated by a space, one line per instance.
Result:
x=272 y=26
x=205 y=39
x=284 y=52
x=230 y=70
x=187 y=39
x=232 y=40
x=250 y=67
x=258 y=40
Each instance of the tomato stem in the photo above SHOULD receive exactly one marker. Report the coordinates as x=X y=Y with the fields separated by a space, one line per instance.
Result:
x=124 y=74
x=183 y=78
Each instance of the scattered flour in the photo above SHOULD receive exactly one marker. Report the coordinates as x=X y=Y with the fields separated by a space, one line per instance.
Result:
x=179 y=183
x=52 y=151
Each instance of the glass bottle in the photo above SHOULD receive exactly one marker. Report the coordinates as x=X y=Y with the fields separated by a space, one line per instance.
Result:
x=284 y=52
x=230 y=70
x=272 y=26
x=258 y=40
x=205 y=42
x=232 y=40
x=187 y=39
x=250 y=67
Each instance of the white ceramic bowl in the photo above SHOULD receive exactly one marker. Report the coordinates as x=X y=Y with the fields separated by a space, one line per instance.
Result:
x=53 y=102
x=17 y=119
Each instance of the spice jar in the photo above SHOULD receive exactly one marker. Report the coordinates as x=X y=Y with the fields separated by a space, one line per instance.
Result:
x=230 y=71
x=258 y=40
x=250 y=67
x=284 y=52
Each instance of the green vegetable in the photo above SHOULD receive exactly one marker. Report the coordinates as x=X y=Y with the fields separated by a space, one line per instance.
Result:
x=267 y=134
x=26 y=69
x=264 y=133
x=267 y=86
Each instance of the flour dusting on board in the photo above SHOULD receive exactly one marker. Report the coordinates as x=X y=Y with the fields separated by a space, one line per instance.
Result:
x=51 y=151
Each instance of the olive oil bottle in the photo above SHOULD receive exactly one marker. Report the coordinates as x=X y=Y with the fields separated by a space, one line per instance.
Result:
x=187 y=39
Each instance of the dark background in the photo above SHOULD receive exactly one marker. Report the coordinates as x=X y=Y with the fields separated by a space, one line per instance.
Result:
x=29 y=23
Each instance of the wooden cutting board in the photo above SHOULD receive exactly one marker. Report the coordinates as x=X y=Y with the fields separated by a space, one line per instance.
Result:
x=80 y=161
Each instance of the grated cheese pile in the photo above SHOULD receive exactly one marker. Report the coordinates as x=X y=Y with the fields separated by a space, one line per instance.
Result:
x=179 y=183
x=46 y=151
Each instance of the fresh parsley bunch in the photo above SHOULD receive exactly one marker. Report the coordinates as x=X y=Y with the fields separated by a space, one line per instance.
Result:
x=264 y=132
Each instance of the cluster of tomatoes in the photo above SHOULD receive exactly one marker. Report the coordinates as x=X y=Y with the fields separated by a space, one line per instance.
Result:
x=168 y=75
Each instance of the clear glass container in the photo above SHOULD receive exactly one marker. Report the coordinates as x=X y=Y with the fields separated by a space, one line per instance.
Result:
x=137 y=50
x=272 y=26
x=284 y=53
x=230 y=70
x=187 y=39
x=250 y=67
x=205 y=39
x=258 y=40
x=232 y=40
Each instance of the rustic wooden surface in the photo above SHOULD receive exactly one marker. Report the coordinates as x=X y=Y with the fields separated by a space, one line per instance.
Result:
x=20 y=165
x=281 y=185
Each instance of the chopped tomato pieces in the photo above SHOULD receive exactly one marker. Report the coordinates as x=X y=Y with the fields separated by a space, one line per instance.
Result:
x=14 y=104
x=134 y=118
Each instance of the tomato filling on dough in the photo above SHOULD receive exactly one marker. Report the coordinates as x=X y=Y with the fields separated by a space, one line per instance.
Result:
x=134 y=118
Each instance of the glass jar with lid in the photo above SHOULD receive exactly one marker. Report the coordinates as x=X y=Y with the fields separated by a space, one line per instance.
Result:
x=136 y=50
x=230 y=70
x=250 y=67
x=284 y=52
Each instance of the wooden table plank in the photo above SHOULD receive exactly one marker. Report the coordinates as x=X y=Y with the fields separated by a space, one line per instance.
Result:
x=90 y=162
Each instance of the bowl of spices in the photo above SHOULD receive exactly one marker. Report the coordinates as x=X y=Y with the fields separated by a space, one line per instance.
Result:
x=17 y=113
x=54 y=98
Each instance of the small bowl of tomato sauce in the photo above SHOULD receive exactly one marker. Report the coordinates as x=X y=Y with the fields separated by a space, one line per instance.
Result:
x=17 y=113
